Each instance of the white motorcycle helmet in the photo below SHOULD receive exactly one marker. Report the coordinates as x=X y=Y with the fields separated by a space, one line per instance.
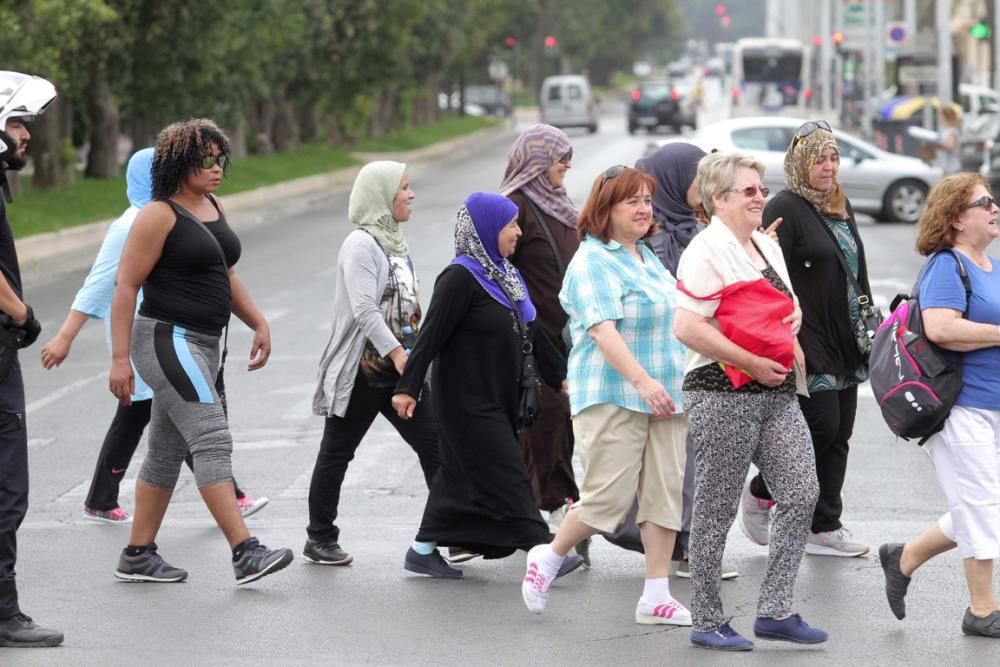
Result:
x=22 y=96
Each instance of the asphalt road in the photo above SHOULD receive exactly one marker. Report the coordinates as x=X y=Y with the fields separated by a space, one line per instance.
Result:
x=372 y=612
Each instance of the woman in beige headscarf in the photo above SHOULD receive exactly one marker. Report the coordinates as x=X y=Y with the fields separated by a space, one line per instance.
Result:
x=376 y=312
x=816 y=230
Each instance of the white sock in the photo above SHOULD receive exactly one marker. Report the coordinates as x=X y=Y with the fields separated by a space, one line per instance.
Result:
x=550 y=562
x=656 y=590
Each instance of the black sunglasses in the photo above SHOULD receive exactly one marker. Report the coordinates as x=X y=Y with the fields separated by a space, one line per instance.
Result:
x=809 y=127
x=985 y=201
x=611 y=173
x=210 y=161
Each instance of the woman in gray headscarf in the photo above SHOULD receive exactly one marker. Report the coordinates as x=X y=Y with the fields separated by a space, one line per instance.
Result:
x=376 y=312
x=536 y=168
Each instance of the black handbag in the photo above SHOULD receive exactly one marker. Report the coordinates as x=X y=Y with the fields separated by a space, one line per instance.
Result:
x=871 y=315
x=567 y=337
x=530 y=397
x=220 y=379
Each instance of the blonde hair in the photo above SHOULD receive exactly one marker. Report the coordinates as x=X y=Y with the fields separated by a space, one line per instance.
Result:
x=717 y=174
x=944 y=204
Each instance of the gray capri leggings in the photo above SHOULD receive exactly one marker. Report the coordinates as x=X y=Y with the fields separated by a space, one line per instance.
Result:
x=180 y=366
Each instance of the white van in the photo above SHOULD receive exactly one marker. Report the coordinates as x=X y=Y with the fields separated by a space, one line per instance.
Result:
x=566 y=101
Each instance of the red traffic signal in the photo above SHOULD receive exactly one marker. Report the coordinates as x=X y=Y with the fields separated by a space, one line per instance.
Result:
x=510 y=41
x=720 y=10
x=550 y=42
x=817 y=40
x=725 y=21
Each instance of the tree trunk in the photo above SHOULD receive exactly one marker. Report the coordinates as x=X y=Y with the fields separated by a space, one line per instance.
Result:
x=335 y=133
x=102 y=159
x=237 y=133
x=309 y=122
x=385 y=109
x=142 y=132
x=51 y=149
x=261 y=123
x=285 y=126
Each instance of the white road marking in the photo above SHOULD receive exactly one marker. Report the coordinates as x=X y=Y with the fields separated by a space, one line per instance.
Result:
x=63 y=392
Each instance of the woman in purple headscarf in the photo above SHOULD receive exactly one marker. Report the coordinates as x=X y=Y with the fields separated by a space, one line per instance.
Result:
x=480 y=499
x=536 y=169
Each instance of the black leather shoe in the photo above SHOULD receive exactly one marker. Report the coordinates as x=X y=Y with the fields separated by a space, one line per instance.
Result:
x=325 y=553
x=433 y=565
x=980 y=627
x=20 y=631
x=896 y=582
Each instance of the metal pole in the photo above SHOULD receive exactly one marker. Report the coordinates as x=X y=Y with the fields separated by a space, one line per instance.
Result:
x=996 y=46
x=838 y=96
x=826 y=56
x=866 y=86
x=878 y=44
x=942 y=17
x=910 y=16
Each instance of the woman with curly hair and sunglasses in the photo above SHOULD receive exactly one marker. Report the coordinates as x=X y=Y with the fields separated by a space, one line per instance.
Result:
x=819 y=240
x=182 y=253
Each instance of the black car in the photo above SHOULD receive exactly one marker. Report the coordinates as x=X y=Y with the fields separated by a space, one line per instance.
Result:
x=656 y=103
x=490 y=98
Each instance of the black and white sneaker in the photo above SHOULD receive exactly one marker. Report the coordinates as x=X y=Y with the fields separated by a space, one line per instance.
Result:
x=258 y=561
x=148 y=566
x=326 y=553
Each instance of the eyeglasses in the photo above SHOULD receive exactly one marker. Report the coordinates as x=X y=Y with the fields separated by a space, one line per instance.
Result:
x=985 y=201
x=751 y=191
x=809 y=127
x=210 y=161
x=611 y=173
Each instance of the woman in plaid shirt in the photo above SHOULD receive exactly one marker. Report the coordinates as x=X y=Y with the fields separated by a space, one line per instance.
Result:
x=624 y=378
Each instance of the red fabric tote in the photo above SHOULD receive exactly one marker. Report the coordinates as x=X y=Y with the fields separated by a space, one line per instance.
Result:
x=750 y=314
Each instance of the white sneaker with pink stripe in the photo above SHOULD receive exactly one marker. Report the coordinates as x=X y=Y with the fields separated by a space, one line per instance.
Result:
x=670 y=612
x=536 y=584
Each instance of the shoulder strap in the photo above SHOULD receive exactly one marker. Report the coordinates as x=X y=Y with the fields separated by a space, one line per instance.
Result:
x=963 y=274
x=863 y=298
x=548 y=234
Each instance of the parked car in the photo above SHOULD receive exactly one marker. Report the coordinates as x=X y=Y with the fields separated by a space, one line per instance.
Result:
x=490 y=99
x=566 y=101
x=882 y=184
x=658 y=102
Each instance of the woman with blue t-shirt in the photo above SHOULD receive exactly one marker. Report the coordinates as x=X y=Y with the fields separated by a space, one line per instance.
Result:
x=624 y=380
x=961 y=215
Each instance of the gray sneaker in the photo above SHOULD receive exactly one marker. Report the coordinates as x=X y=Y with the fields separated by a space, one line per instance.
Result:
x=148 y=566
x=755 y=517
x=834 y=543
x=258 y=561
x=981 y=627
x=19 y=631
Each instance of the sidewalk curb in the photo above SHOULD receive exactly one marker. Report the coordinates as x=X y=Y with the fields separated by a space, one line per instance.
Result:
x=39 y=247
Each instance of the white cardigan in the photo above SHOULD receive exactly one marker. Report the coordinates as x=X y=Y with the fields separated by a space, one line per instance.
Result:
x=715 y=259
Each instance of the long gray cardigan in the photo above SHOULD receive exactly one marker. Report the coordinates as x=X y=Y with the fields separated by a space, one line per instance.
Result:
x=362 y=276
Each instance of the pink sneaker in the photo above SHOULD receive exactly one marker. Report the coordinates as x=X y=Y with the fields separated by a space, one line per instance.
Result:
x=116 y=516
x=535 y=586
x=250 y=505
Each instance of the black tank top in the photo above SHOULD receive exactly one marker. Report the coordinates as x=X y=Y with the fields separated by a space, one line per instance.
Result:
x=189 y=286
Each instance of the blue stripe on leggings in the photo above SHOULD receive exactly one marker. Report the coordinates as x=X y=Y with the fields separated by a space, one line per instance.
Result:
x=190 y=366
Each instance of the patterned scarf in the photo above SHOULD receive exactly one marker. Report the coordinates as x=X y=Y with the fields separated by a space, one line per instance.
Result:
x=477 y=228
x=799 y=159
x=370 y=205
x=537 y=149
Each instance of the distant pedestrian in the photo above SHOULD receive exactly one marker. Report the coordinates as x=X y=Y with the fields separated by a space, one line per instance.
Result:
x=480 y=323
x=535 y=182
x=948 y=149
x=741 y=405
x=673 y=166
x=818 y=236
x=22 y=97
x=961 y=215
x=93 y=300
x=376 y=316
x=182 y=253
x=625 y=371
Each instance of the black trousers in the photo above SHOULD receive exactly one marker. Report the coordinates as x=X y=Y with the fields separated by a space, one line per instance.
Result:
x=116 y=453
x=830 y=415
x=341 y=437
x=13 y=483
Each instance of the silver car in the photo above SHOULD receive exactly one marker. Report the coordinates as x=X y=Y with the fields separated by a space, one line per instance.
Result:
x=885 y=185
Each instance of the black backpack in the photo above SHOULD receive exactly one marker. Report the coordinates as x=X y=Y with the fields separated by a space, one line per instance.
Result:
x=910 y=376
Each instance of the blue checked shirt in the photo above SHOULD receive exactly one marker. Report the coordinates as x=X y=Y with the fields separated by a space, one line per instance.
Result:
x=605 y=282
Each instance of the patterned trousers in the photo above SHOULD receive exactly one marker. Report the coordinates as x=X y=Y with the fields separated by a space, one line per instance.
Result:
x=731 y=431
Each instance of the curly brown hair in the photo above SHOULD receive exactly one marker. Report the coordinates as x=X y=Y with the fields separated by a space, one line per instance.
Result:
x=180 y=148
x=595 y=218
x=944 y=204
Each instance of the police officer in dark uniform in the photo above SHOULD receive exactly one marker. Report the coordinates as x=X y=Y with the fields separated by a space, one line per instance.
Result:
x=21 y=98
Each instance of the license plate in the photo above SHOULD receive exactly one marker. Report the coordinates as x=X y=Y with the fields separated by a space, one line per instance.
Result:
x=648 y=120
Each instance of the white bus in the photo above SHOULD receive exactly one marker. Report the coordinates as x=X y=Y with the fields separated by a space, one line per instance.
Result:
x=770 y=76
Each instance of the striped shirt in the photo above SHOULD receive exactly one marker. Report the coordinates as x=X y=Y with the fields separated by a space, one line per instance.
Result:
x=606 y=282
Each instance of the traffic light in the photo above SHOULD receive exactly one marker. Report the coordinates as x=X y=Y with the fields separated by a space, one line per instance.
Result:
x=551 y=42
x=511 y=42
x=981 y=29
x=720 y=10
x=817 y=40
x=838 y=38
x=725 y=21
